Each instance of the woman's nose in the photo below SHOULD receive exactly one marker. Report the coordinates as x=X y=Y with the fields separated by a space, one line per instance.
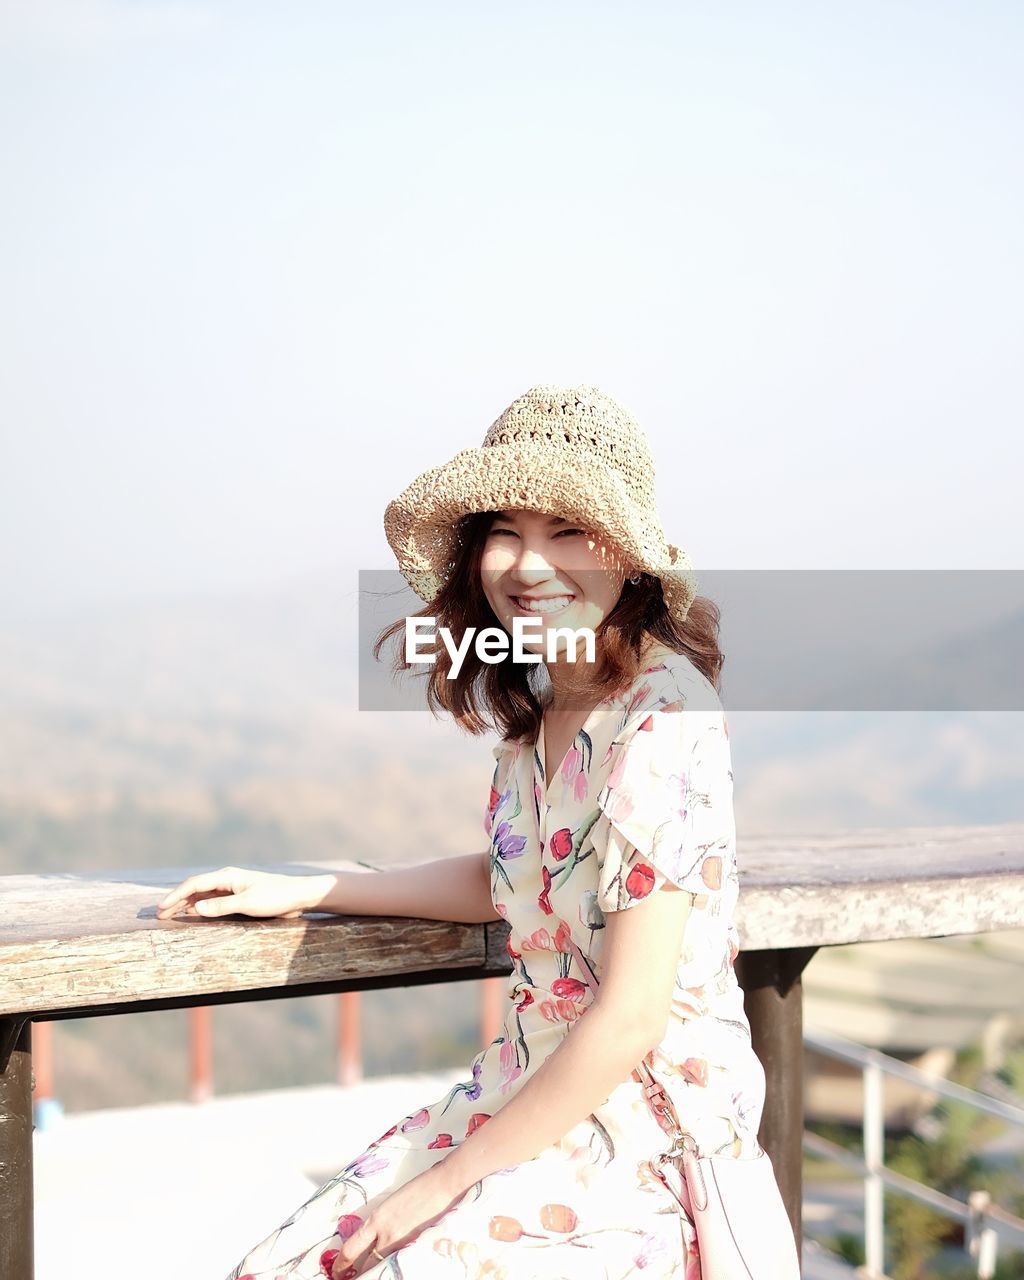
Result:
x=531 y=565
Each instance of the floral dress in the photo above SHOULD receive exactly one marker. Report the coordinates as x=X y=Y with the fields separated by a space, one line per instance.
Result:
x=643 y=795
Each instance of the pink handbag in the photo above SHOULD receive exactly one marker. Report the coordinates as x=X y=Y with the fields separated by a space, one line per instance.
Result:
x=743 y=1229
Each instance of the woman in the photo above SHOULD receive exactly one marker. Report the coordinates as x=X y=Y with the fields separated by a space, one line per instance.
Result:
x=612 y=848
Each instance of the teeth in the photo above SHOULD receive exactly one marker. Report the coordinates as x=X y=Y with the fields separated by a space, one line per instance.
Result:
x=544 y=606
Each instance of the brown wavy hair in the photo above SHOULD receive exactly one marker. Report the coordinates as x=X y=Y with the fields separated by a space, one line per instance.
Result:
x=503 y=695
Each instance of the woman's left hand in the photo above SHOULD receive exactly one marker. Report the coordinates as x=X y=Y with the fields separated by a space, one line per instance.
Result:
x=396 y=1221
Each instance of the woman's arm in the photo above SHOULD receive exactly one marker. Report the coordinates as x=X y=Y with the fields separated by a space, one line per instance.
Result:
x=456 y=888
x=627 y=1019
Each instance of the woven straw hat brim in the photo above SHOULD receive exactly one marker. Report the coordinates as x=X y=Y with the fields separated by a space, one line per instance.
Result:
x=419 y=523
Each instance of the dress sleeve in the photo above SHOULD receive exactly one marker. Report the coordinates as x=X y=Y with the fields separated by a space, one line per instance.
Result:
x=499 y=753
x=667 y=810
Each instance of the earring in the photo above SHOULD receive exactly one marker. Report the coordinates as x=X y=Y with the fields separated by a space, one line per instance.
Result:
x=635 y=578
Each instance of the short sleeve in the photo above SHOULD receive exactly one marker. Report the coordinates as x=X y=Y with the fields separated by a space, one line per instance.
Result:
x=667 y=809
x=505 y=753
x=498 y=753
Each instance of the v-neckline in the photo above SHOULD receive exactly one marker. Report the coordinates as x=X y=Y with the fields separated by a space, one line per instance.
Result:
x=540 y=752
x=549 y=777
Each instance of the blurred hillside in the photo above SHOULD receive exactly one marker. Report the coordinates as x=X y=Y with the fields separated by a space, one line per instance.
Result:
x=219 y=730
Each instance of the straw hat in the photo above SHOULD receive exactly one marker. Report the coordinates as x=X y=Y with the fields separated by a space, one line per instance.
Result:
x=568 y=451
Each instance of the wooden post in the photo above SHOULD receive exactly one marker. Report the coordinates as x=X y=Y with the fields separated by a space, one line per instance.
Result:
x=200 y=1053
x=350 y=1060
x=16 y=1230
x=773 y=1001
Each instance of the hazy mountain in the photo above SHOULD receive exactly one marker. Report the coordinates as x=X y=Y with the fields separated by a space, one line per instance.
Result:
x=232 y=723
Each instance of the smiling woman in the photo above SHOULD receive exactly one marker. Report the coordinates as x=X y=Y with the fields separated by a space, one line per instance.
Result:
x=611 y=857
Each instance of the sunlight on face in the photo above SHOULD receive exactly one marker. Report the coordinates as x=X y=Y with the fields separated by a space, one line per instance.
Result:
x=543 y=565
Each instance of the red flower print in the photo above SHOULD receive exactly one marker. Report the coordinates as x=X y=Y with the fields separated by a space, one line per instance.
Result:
x=640 y=881
x=560 y=844
x=502 y=1228
x=562 y=936
x=619 y=804
x=542 y=897
x=327 y=1262
x=557 y=1217
x=526 y=1001
x=443 y=1139
x=638 y=697
x=510 y=1068
x=579 y=787
x=348 y=1225
x=513 y=954
x=384 y=1136
x=416 y=1121
x=569 y=988
x=617 y=770
x=492 y=804
x=647 y=726
x=507 y=1082
x=711 y=872
x=539 y=940
x=561 y=1010
x=696 y=1069
x=477 y=1119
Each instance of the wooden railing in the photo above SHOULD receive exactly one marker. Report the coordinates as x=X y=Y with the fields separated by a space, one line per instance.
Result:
x=76 y=946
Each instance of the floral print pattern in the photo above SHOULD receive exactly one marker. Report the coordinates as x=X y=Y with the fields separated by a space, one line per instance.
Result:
x=642 y=796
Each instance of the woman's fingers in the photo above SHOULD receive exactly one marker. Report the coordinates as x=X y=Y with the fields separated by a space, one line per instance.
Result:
x=205 y=882
x=360 y=1264
x=232 y=890
x=348 y=1263
x=224 y=904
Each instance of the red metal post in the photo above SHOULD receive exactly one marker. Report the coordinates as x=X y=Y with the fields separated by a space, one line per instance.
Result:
x=200 y=1053
x=42 y=1061
x=350 y=1059
x=492 y=1007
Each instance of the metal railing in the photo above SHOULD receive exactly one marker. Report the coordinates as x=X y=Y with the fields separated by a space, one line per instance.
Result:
x=47 y=1107
x=984 y=1221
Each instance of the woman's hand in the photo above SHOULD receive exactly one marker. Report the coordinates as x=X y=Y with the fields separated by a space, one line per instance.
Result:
x=235 y=890
x=396 y=1221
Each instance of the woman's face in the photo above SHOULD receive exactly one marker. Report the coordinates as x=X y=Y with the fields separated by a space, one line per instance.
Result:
x=542 y=565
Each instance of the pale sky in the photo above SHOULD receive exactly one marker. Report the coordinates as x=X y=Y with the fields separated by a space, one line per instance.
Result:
x=260 y=264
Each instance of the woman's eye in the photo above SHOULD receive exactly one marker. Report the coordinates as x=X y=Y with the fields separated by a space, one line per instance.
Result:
x=569 y=533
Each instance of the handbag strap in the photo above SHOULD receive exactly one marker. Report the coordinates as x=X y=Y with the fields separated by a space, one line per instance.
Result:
x=657 y=1098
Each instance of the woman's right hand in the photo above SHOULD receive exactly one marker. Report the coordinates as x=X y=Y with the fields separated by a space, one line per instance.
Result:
x=237 y=891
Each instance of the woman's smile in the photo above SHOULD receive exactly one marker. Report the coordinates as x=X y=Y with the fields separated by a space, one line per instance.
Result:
x=548 y=605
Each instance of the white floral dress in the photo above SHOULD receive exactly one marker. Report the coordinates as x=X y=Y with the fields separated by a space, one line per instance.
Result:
x=643 y=795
